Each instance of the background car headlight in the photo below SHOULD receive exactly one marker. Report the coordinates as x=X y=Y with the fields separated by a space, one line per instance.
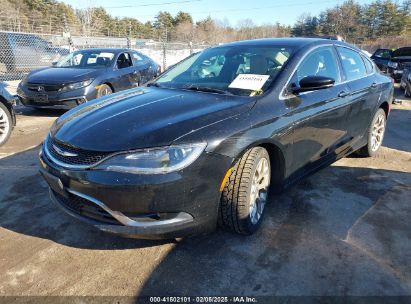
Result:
x=393 y=65
x=77 y=85
x=24 y=80
x=154 y=161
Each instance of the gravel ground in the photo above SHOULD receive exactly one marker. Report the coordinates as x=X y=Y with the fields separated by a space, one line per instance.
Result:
x=343 y=231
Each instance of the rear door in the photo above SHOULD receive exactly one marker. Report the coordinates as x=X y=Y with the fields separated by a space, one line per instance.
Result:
x=142 y=68
x=320 y=115
x=360 y=76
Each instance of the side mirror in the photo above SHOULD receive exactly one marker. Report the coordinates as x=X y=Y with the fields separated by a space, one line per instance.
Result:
x=54 y=63
x=312 y=83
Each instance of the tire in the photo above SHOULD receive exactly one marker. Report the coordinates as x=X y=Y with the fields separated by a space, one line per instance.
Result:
x=376 y=131
x=5 y=124
x=104 y=90
x=407 y=91
x=236 y=211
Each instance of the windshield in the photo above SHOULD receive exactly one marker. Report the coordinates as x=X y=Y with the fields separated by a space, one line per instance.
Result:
x=86 y=60
x=402 y=52
x=238 y=70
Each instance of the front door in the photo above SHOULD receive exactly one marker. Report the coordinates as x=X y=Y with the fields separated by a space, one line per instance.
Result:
x=125 y=74
x=319 y=115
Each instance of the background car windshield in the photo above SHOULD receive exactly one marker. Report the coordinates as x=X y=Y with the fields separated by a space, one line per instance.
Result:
x=88 y=60
x=216 y=68
x=402 y=52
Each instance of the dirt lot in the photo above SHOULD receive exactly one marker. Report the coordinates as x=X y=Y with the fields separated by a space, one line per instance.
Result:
x=344 y=231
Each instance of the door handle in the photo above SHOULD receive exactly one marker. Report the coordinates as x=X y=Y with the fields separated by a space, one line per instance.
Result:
x=343 y=94
x=374 y=85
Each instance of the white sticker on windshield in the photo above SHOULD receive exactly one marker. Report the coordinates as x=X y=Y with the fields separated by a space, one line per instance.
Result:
x=252 y=82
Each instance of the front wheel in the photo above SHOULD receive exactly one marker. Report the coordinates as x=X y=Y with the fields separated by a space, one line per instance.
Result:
x=245 y=192
x=5 y=124
x=104 y=90
x=375 y=134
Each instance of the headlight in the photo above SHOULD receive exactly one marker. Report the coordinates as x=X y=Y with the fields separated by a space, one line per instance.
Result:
x=393 y=65
x=77 y=85
x=154 y=161
x=24 y=80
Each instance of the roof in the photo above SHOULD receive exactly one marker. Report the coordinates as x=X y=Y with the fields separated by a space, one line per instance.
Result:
x=292 y=41
x=112 y=50
x=289 y=41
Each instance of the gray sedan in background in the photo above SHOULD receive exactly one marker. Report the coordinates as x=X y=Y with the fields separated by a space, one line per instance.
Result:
x=85 y=75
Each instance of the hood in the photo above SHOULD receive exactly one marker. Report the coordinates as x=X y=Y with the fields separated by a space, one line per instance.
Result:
x=401 y=59
x=143 y=118
x=62 y=75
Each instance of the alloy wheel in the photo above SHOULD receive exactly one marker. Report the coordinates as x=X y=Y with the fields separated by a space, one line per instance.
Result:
x=105 y=91
x=377 y=134
x=4 y=125
x=259 y=190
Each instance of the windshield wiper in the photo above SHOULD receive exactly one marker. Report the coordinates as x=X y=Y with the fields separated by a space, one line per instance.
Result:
x=207 y=89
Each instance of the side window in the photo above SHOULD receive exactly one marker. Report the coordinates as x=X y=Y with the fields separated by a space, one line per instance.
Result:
x=124 y=61
x=368 y=65
x=352 y=63
x=382 y=53
x=321 y=62
x=23 y=41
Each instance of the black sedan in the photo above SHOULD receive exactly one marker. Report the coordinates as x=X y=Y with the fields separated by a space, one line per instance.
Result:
x=194 y=149
x=381 y=57
x=7 y=116
x=400 y=58
x=85 y=75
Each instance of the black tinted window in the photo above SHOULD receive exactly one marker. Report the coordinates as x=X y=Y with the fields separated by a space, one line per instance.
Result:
x=382 y=53
x=352 y=63
x=124 y=61
x=321 y=62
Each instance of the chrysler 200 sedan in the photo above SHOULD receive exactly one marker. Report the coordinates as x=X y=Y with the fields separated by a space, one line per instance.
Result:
x=85 y=75
x=192 y=150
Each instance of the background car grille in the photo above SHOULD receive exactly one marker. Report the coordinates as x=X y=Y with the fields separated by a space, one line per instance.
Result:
x=85 y=208
x=83 y=158
x=47 y=87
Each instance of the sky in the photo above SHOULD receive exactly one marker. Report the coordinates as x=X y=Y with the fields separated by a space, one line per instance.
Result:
x=259 y=11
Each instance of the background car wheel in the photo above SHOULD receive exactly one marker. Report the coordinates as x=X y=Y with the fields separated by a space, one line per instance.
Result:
x=376 y=133
x=5 y=124
x=407 y=91
x=104 y=90
x=245 y=192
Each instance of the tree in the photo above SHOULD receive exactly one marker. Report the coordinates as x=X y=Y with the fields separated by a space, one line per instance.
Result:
x=181 y=18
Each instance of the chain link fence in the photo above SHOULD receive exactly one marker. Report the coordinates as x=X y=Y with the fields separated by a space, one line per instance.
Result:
x=22 y=52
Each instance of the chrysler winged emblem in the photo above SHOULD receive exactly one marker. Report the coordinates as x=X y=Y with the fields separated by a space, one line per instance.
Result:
x=64 y=153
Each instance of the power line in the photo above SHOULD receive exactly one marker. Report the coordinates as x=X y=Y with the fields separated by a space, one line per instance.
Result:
x=154 y=4
x=248 y=9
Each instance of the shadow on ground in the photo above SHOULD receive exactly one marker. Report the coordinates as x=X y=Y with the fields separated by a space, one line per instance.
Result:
x=307 y=244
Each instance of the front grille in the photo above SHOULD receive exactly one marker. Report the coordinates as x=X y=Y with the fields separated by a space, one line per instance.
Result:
x=82 y=158
x=85 y=208
x=46 y=87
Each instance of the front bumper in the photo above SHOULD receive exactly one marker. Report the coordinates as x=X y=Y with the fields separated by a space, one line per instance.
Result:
x=56 y=100
x=160 y=206
x=395 y=74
